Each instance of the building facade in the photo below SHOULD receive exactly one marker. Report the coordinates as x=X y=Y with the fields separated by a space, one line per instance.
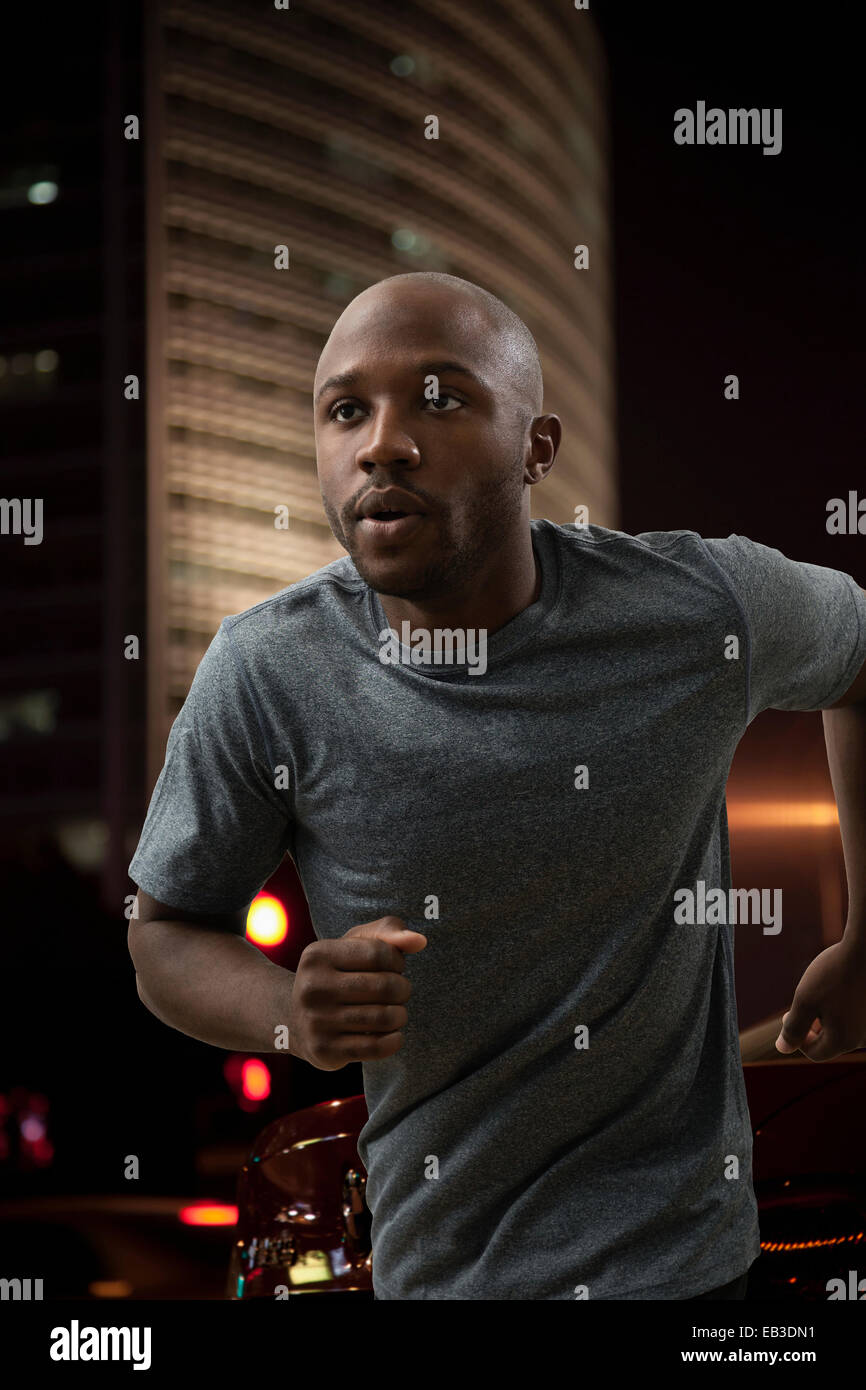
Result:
x=304 y=129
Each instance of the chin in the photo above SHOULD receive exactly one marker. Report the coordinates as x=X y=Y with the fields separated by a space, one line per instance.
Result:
x=397 y=585
x=397 y=580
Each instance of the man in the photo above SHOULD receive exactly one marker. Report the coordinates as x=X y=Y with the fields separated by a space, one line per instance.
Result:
x=559 y=1112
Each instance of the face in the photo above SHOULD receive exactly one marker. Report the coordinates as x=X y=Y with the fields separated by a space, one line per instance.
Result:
x=460 y=455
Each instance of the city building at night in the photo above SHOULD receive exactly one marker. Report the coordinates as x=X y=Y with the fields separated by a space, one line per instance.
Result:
x=288 y=169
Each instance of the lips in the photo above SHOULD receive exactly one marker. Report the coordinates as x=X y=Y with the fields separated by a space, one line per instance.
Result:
x=391 y=527
x=391 y=504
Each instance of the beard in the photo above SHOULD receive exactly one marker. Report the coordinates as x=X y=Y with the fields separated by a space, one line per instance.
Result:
x=485 y=524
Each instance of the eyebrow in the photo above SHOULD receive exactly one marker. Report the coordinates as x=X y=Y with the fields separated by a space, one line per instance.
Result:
x=423 y=369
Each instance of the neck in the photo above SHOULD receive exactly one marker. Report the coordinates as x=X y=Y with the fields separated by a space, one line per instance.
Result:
x=496 y=596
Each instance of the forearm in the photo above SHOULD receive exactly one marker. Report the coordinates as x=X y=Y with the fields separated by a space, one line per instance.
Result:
x=213 y=985
x=845 y=737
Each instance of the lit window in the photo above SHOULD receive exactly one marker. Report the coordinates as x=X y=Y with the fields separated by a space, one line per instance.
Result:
x=42 y=192
x=402 y=65
x=34 y=710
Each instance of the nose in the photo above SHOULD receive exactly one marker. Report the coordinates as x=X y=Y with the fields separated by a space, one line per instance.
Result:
x=387 y=444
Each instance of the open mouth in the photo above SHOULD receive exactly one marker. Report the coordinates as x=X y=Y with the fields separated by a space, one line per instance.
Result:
x=391 y=525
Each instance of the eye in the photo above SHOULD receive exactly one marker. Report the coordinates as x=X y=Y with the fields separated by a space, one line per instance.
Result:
x=341 y=405
x=351 y=405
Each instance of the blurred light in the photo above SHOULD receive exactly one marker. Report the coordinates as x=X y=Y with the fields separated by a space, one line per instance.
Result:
x=777 y=1245
x=27 y=1109
x=33 y=710
x=32 y=1128
x=338 y=286
x=256 y=1079
x=44 y=192
x=267 y=922
x=311 y=1267
x=402 y=65
x=83 y=842
x=758 y=815
x=208 y=1214
x=46 y=360
x=110 y=1288
x=415 y=243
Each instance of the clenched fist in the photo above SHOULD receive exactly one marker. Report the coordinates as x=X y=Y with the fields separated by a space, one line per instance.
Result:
x=349 y=995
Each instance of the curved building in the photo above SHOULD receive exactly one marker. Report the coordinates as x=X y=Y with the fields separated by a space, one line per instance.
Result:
x=304 y=128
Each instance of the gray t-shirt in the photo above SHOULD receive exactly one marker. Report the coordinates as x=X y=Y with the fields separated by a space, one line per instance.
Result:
x=568 y=1109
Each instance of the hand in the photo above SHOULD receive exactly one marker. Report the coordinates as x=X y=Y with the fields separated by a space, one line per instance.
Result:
x=349 y=995
x=828 y=1014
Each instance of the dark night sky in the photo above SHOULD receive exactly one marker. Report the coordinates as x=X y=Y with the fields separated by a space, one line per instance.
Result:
x=729 y=260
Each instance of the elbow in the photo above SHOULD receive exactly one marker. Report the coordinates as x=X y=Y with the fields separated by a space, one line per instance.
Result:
x=146 y=999
x=136 y=941
x=139 y=985
x=138 y=955
x=137 y=964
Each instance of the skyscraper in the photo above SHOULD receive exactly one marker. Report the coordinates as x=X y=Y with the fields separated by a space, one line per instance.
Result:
x=296 y=156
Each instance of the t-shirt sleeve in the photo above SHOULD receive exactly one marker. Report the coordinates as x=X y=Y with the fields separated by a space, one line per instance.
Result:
x=807 y=625
x=217 y=827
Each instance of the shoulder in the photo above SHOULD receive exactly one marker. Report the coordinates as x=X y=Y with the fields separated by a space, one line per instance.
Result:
x=592 y=536
x=621 y=547
x=302 y=608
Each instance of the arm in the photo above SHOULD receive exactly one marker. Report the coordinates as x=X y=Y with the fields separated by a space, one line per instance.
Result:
x=828 y=1014
x=845 y=737
x=197 y=973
